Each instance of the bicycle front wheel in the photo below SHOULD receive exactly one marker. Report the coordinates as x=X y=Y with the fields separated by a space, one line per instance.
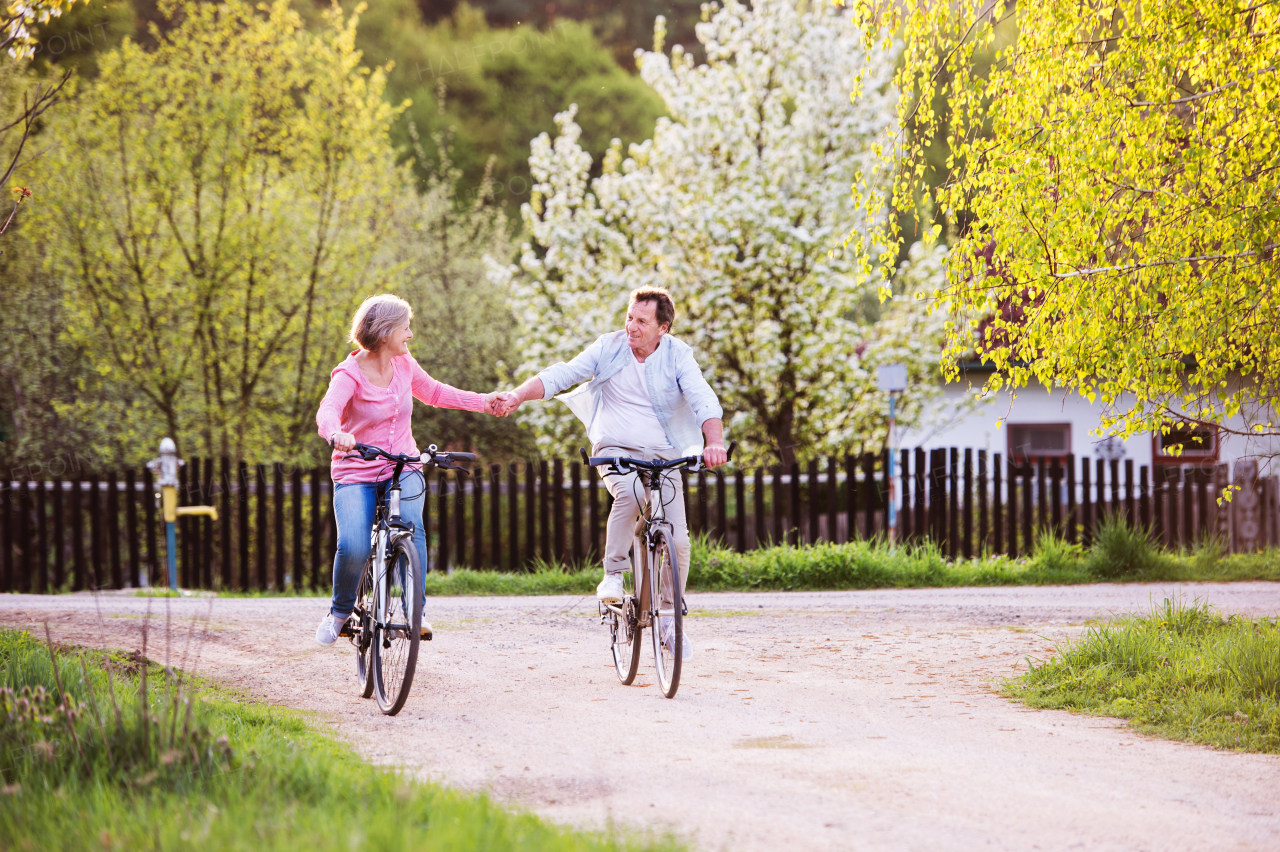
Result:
x=397 y=635
x=363 y=638
x=668 y=626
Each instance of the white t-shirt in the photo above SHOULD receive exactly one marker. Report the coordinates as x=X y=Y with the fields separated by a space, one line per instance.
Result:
x=626 y=411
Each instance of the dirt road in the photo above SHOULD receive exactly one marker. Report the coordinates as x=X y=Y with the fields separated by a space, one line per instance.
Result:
x=844 y=720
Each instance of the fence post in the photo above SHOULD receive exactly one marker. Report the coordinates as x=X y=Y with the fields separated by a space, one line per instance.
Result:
x=477 y=517
x=740 y=509
x=1012 y=502
x=262 y=543
x=811 y=500
x=208 y=531
x=59 y=554
x=95 y=535
x=906 y=529
x=544 y=512
x=778 y=522
x=983 y=525
x=1187 y=536
x=460 y=520
x=530 y=512
x=1055 y=499
x=1116 y=505
x=921 y=524
x=446 y=532
x=757 y=496
x=495 y=515
x=1144 y=499
x=295 y=485
x=869 y=493
x=966 y=535
x=851 y=495
x=793 y=506
x=149 y=513
x=997 y=505
x=1157 y=489
x=937 y=497
x=722 y=528
x=26 y=535
x=594 y=551
x=1042 y=489
x=953 y=504
x=833 y=499
x=242 y=519
x=42 y=530
x=575 y=493
x=7 y=569
x=317 y=562
x=1129 y=514
x=1072 y=520
x=702 y=502
x=513 y=518
x=1221 y=477
x=1028 y=532
x=277 y=522
x=558 y=504
x=79 y=570
x=1086 y=505
x=113 y=530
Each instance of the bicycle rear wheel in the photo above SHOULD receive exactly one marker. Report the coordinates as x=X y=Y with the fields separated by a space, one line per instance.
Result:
x=363 y=637
x=668 y=627
x=396 y=639
x=624 y=630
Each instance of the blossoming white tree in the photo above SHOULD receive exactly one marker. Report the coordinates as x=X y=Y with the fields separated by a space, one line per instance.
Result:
x=737 y=205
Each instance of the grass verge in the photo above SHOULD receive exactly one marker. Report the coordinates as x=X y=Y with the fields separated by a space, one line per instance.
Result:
x=1119 y=554
x=111 y=752
x=1182 y=672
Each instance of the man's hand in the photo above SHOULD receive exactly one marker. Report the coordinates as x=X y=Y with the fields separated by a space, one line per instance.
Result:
x=343 y=442
x=714 y=456
x=501 y=403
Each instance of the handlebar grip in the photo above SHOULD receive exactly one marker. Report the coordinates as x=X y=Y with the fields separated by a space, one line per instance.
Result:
x=728 y=454
x=467 y=457
x=596 y=461
x=585 y=460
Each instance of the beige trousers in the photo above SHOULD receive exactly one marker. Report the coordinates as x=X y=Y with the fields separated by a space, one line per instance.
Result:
x=629 y=496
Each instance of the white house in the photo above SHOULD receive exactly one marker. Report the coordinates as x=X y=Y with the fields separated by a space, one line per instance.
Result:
x=1039 y=422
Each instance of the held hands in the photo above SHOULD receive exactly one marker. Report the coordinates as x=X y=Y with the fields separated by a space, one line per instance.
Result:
x=500 y=403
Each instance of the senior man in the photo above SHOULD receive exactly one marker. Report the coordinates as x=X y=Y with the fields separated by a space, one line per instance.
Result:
x=646 y=398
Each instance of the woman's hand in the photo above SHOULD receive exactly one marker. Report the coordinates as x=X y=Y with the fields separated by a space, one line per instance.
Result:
x=500 y=403
x=343 y=441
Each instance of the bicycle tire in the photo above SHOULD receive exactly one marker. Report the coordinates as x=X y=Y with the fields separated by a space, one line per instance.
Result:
x=363 y=637
x=664 y=573
x=624 y=632
x=395 y=645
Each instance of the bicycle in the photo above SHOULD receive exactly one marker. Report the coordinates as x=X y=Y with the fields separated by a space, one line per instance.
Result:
x=386 y=625
x=654 y=562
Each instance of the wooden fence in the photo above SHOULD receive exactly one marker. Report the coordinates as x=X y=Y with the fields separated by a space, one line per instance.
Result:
x=275 y=526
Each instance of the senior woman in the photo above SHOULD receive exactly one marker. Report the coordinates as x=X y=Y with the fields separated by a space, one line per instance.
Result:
x=370 y=400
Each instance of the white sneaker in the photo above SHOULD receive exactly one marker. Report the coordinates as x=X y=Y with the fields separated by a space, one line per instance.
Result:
x=327 y=632
x=426 y=631
x=610 y=589
x=668 y=629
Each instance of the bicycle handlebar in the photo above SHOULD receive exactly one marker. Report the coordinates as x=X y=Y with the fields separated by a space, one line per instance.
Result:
x=620 y=463
x=431 y=457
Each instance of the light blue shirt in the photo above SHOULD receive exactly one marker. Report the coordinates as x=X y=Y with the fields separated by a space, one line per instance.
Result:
x=681 y=397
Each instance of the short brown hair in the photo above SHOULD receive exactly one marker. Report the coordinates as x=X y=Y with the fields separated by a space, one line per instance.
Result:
x=665 y=310
x=376 y=318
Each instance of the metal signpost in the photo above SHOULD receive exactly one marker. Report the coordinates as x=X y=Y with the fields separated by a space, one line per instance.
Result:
x=893 y=379
x=165 y=469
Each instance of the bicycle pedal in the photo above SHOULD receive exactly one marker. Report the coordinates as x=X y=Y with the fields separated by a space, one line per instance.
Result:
x=346 y=630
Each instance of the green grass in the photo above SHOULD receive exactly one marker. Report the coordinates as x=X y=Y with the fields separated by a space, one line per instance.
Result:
x=83 y=767
x=1118 y=554
x=1182 y=672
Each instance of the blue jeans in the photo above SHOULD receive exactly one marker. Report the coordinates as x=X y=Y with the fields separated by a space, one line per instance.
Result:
x=354 y=504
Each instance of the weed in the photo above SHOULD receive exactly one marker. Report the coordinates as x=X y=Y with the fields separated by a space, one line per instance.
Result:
x=1122 y=551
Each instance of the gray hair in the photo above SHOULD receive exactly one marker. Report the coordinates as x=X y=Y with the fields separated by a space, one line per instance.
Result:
x=376 y=318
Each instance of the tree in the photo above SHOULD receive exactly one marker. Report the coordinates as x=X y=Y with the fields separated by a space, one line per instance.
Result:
x=734 y=205
x=1119 y=167
x=217 y=216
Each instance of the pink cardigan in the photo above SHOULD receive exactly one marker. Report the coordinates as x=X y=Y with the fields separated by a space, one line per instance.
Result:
x=380 y=416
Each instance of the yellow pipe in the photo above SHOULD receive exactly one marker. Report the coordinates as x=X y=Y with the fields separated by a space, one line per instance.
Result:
x=211 y=511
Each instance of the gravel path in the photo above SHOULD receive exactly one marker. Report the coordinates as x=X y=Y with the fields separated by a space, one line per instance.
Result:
x=840 y=720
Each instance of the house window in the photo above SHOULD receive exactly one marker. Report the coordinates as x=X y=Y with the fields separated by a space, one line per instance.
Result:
x=1039 y=440
x=1198 y=443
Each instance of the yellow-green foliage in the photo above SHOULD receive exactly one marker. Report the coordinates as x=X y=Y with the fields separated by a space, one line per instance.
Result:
x=211 y=209
x=1118 y=162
